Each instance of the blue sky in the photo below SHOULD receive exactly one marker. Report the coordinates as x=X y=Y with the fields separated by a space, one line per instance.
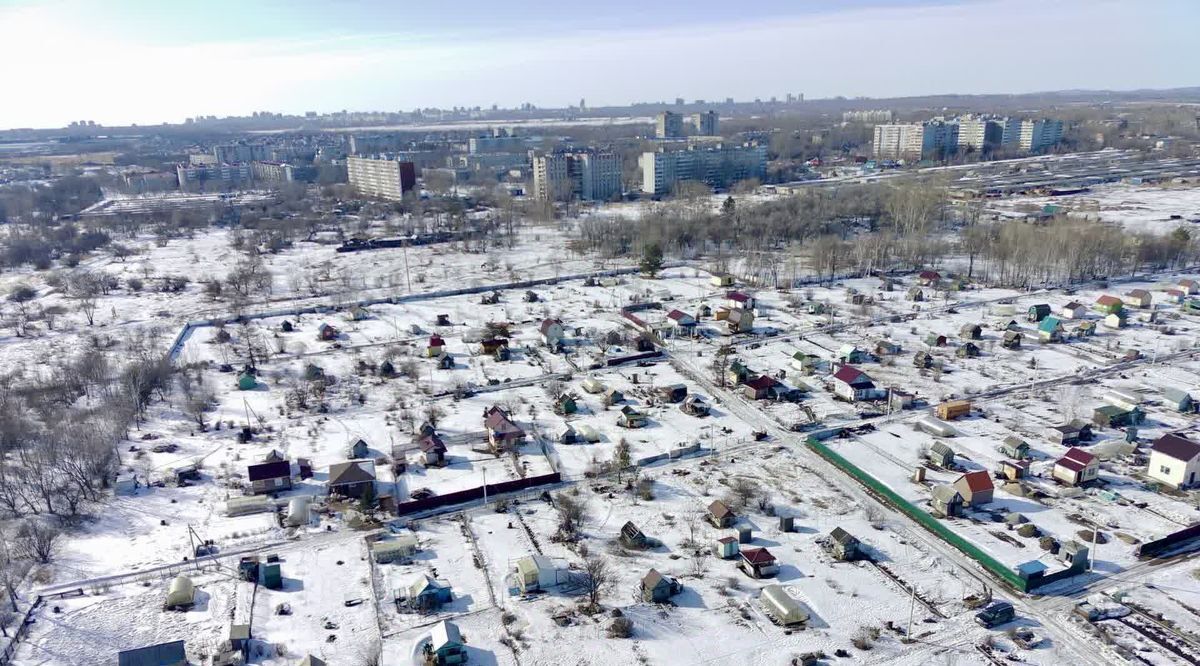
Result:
x=118 y=61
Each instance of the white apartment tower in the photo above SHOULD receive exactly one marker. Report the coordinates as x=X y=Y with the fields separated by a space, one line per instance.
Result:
x=385 y=178
x=589 y=176
x=718 y=166
x=668 y=125
x=1038 y=135
x=896 y=141
x=705 y=124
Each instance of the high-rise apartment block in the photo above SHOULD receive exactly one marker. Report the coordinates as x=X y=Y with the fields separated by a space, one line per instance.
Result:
x=381 y=177
x=585 y=175
x=716 y=166
x=869 y=116
x=897 y=141
x=192 y=176
x=705 y=124
x=234 y=153
x=1038 y=135
x=668 y=125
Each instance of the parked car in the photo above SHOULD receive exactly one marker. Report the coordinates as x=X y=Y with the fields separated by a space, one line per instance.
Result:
x=996 y=614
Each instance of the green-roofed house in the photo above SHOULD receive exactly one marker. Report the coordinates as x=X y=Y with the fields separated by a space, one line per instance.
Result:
x=1050 y=329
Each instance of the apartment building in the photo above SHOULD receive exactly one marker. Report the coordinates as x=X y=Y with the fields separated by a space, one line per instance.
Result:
x=898 y=141
x=668 y=125
x=717 y=166
x=868 y=116
x=372 y=144
x=280 y=172
x=979 y=134
x=495 y=144
x=705 y=124
x=381 y=177
x=195 y=176
x=233 y=153
x=584 y=175
x=1039 y=135
x=939 y=139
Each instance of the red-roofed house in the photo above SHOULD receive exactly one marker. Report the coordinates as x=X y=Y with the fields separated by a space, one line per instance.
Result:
x=975 y=487
x=682 y=321
x=758 y=563
x=761 y=387
x=737 y=299
x=929 y=278
x=850 y=383
x=503 y=434
x=1077 y=467
x=436 y=345
x=1109 y=304
x=552 y=332
x=1175 y=460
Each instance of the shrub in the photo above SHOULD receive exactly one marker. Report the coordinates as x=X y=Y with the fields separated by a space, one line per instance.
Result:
x=621 y=627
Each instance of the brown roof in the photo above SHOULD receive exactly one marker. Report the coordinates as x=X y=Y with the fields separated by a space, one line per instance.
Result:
x=1079 y=455
x=758 y=556
x=432 y=443
x=1177 y=447
x=269 y=470
x=354 y=471
x=1108 y=300
x=653 y=579
x=977 y=481
x=719 y=510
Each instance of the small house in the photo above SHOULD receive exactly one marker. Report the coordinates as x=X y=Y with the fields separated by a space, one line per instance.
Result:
x=1050 y=329
x=975 y=487
x=1109 y=304
x=433 y=449
x=1139 y=298
x=941 y=455
x=551 y=332
x=1175 y=295
x=721 y=280
x=657 y=588
x=762 y=387
x=173 y=653
x=946 y=501
x=673 y=392
x=435 y=347
x=929 y=278
x=424 y=593
x=1175 y=461
x=566 y=434
x=1118 y=319
x=720 y=515
x=503 y=434
x=844 y=546
x=1076 y=467
x=805 y=363
x=1073 y=310
x=914 y=294
x=935 y=340
x=446 y=644
x=953 y=409
x=726 y=548
x=739 y=321
x=737 y=300
x=967 y=350
x=1189 y=287
x=758 y=563
x=923 y=360
x=901 y=399
x=1038 y=312
x=400 y=549
x=851 y=354
x=682 y=322
x=971 y=332
x=534 y=573
x=1015 y=447
x=269 y=477
x=632 y=536
x=612 y=396
x=1011 y=340
x=632 y=418
x=1112 y=416
x=1179 y=400
x=358 y=449
x=1070 y=434
x=1014 y=469
x=326 y=333
x=352 y=478
x=566 y=404
x=781 y=607
x=887 y=348
x=695 y=406
x=852 y=384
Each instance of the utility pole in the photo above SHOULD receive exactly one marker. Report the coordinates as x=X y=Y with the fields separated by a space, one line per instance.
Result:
x=407 y=276
x=484 y=469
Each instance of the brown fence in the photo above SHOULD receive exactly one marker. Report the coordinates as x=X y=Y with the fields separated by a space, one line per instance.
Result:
x=472 y=494
x=1156 y=547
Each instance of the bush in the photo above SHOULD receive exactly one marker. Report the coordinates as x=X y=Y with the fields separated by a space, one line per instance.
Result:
x=135 y=284
x=621 y=627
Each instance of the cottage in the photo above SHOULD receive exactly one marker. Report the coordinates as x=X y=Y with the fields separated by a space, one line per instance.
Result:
x=503 y=434
x=887 y=348
x=173 y=653
x=852 y=384
x=1177 y=399
x=269 y=477
x=935 y=340
x=806 y=363
x=1014 y=469
x=1015 y=447
x=535 y=572
x=1011 y=340
x=721 y=280
x=658 y=589
x=914 y=294
x=781 y=607
x=720 y=515
x=673 y=392
x=975 y=487
x=612 y=396
x=761 y=387
x=929 y=278
x=1050 y=330
x=424 y=593
x=1076 y=467
x=1038 y=312
x=726 y=548
x=401 y=549
x=632 y=537
x=1139 y=298
x=551 y=331
x=844 y=546
x=1107 y=304
x=632 y=418
x=352 y=478
x=953 y=409
x=758 y=563
x=435 y=347
x=358 y=449
x=1175 y=295
x=736 y=300
x=695 y=406
x=946 y=501
x=1112 y=416
x=1175 y=461
x=941 y=455
x=923 y=360
x=901 y=399
x=433 y=449
x=739 y=321
x=446 y=644
x=566 y=404
x=1189 y=287
x=1073 y=310
x=1118 y=319
x=851 y=354
x=971 y=332
x=967 y=350
x=682 y=322
x=325 y=332
x=1070 y=434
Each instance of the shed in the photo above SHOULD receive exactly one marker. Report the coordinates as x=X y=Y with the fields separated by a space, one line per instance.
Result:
x=1038 y=312
x=971 y=332
x=1177 y=399
x=758 y=563
x=612 y=396
x=720 y=515
x=271 y=575
x=781 y=607
x=935 y=340
x=1014 y=447
x=181 y=594
x=631 y=536
x=843 y=545
x=1011 y=340
x=1073 y=310
x=695 y=406
x=967 y=350
x=657 y=588
x=851 y=354
x=446 y=643
x=535 y=572
x=946 y=501
x=400 y=549
x=923 y=360
x=173 y=653
x=953 y=409
x=423 y=592
x=726 y=547
x=1014 y=469
x=673 y=392
x=239 y=636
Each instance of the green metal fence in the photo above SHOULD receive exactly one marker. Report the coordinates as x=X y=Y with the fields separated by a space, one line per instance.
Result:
x=925 y=519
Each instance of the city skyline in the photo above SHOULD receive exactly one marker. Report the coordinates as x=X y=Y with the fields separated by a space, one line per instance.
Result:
x=145 y=63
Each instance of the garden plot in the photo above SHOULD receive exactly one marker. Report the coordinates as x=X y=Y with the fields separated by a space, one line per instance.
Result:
x=481 y=632
x=93 y=628
x=1155 y=209
x=327 y=589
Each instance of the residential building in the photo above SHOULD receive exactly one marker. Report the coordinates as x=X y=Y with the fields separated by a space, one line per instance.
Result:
x=758 y=563
x=279 y=172
x=975 y=487
x=584 y=175
x=495 y=144
x=381 y=177
x=896 y=141
x=371 y=145
x=1010 y=133
x=705 y=123
x=979 y=134
x=852 y=384
x=1038 y=135
x=223 y=175
x=269 y=477
x=716 y=166
x=1175 y=461
x=939 y=139
x=868 y=116
x=1076 y=467
x=234 y=153
x=668 y=125
x=352 y=478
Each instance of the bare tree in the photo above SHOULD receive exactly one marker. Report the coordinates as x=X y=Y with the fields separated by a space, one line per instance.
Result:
x=572 y=513
x=600 y=577
x=38 y=540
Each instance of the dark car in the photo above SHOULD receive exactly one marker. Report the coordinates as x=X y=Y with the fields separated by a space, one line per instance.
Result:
x=996 y=614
